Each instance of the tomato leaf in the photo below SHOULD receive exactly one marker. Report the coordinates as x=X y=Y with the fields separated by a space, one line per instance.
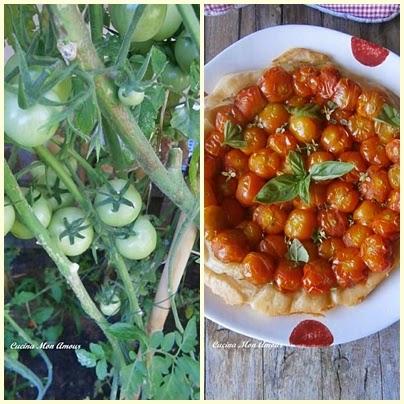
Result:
x=189 y=338
x=296 y=163
x=158 y=60
x=279 y=189
x=308 y=110
x=233 y=135
x=132 y=377
x=186 y=120
x=329 y=170
x=297 y=252
x=389 y=115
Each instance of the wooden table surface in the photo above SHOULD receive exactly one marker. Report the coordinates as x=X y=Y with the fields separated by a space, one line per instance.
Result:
x=364 y=369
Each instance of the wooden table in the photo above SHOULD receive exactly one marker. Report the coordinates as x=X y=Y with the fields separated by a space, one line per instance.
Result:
x=364 y=369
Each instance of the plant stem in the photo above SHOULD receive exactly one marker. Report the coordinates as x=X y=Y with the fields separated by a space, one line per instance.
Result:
x=96 y=21
x=67 y=268
x=73 y=31
x=190 y=21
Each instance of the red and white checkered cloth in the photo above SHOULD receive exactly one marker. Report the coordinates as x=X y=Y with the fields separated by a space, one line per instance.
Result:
x=371 y=13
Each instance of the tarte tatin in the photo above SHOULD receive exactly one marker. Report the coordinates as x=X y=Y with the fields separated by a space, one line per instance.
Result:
x=302 y=190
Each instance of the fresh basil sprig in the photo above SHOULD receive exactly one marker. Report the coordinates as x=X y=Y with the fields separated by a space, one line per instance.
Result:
x=297 y=252
x=286 y=187
x=233 y=135
x=389 y=115
x=308 y=110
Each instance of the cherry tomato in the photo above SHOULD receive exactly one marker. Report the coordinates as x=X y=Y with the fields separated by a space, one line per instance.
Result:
x=318 y=157
x=356 y=235
x=141 y=243
x=185 y=51
x=374 y=152
x=355 y=158
x=274 y=245
x=209 y=195
x=9 y=215
x=361 y=128
x=370 y=103
x=259 y=268
x=341 y=116
x=324 y=84
x=236 y=161
x=265 y=163
x=394 y=176
x=333 y=222
x=214 y=143
x=386 y=132
x=175 y=79
x=215 y=220
x=376 y=185
x=131 y=98
x=288 y=276
x=225 y=186
x=252 y=231
x=377 y=253
x=335 y=139
x=311 y=249
x=276 y=84
x=329 y=247
x=230 y=246
x=393 y=201
x=301 y=80
x=297 y=101
x=273 y=117
x=365 y=212
x=318 y=197
x=393 y=150
x=301 y=224
x=233 y=211
x=349 y=267
x=346 y=94
x=248 y=187
x=211 y=166
x=343 y=196
x=387 y=224
x=111 y=306
x=282 y=143
x=172 y=22
x=271 y=218
x=250 y=101
x=318 y=277
x=255 y=138
x=304 y=128
x=228 y=113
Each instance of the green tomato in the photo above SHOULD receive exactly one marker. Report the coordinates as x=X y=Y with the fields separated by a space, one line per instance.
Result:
x=42 y=211
x=9 y=215
x=131 y=99
x=142 y=243
x=148 y=25
x=116 y=208
x=171 y=23
x=175 y=78
x=185 y=51
x=71 y=230
x=111 y=307
x=141 y=48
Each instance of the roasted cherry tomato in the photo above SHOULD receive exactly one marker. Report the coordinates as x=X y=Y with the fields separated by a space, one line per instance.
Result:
x=370 y=103
x=228 y=113
x=318 y=197
x=259 y=268
x=211 y=166
x=230 y=246
x=265 y=163
x=349 y=267
x=302 y=77
x=329 y=247
x=318 y=277
x=271 y=218
x=318 y=157
x=393 y=201
x=374 y=152
x=375 y=185
x=324 y=84
x=255 y=138
x=276 y=84
x=215 y=221
x=377 y=253
x=343 y=196
x=355 y=158
x=214 y=143
x=365 y=212
x=250 y=101
x=282 y=143
x=393 y=150
x=386 y=132
x=252 y=231
x=304 y=128
x=335 y=139
x=394 y=176
x=333 y=222
x=225 y=186
x=233 y=211
x=387 y=224
x=356 y=235
x=301 y=224
x=346 y=94
x=209 y=195
x=274 y=245
x=311 y=249
x=236 y=161
x=273 y=117
x=248 y=187
x=361 y=128
x=288 y=276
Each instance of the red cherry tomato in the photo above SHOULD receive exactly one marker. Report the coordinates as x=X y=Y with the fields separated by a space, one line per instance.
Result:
x=387 y=224
x=394 y=176
x=236 y=161
x=282 y=143
x=365 y=212
x=377 y=253
x=248 y=187
x=386 y=132
x=255 y=138
x=214 y=144
x=324 y=84
x=393 y=201
x=335 y=139
x=376 y=185
x=271 y=218
x=356 y=235
x=329 y=247
x=211 y=166
x=301 y=224
x=288 y=276
x=215 y=221
x=265 y=163
x=318 y=277
x=343 y=196
x=361 y=128
x=361 y=166
x=259 y=268
x=233 y=211
x=349 y=267
x=318 y=157
x=273 y=117
x=374 y=152
x=318 y=197
x=209 y=195
x=252 y=231
x=370 y=103
x=230 y=246
x=225 y=186
x=276 y=84
x=333 y=222
x=301 y=80
x=274 y=245
x=393 y=150
x=311 y=249
x=250 y=101
x=346 y=94
x=227 y=113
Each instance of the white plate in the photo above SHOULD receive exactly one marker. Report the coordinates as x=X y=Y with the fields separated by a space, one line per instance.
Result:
x=256 y=51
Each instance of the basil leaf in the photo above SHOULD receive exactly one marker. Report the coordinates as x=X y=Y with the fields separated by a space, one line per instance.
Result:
x=304 y=189
x=309 y=110
x=329 y=170
x=233 y=135
x=296 y=163
x=389 y=115
x=297 y=252
x=279 y=189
